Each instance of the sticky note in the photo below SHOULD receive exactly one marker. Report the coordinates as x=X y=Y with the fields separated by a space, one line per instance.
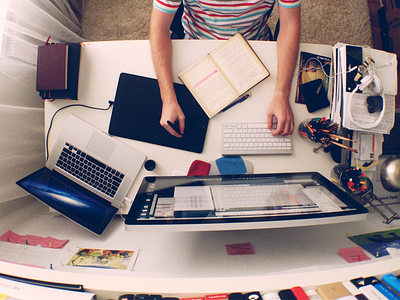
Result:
x=354 y=254
x=240 y=249
x=32 y=240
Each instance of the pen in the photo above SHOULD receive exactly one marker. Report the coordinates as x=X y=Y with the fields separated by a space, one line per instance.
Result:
x=236 y=102
x=175 y=128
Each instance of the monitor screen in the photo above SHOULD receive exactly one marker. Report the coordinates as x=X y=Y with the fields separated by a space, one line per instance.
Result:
x=236 y=202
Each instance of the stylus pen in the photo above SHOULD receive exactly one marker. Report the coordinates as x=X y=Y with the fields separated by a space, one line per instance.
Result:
x=175 y=128
x=236 y=102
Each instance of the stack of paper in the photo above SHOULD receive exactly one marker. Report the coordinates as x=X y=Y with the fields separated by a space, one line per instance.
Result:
x=350 y=60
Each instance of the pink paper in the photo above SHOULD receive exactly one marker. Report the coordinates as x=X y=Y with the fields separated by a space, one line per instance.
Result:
x=353 y=254
x=32 y=240
x=53 y=243
x=240 y=249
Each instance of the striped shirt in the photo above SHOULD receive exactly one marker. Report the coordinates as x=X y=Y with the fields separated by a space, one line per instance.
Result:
x=221 y=19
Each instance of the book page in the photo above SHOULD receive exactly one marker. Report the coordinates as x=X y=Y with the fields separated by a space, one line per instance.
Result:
x=239 y=63
x=209 y=86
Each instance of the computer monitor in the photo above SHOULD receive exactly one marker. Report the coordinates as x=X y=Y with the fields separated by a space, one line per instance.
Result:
x=239 y=202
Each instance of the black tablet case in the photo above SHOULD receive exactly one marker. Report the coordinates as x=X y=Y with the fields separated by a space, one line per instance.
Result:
x=137 y=111
x=314 y=95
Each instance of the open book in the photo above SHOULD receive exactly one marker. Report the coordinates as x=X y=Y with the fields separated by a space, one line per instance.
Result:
x=224 y=75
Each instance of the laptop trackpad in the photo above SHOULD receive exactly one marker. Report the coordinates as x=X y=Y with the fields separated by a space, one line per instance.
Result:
x=101 y=146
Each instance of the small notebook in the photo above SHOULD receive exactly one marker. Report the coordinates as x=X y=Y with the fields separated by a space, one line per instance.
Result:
x=58 y=71
x=137 y=111
x=52 y=63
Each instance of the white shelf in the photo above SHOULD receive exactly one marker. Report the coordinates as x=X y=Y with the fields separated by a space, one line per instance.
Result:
x=196 y=264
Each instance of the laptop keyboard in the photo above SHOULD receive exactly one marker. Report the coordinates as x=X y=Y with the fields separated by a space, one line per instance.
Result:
x=253 y=138
x=89 y=170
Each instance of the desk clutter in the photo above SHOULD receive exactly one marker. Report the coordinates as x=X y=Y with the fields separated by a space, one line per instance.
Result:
x=362 y=89
x=360 y=187
x=362 y=74
x=358 y=288
x=322 y=130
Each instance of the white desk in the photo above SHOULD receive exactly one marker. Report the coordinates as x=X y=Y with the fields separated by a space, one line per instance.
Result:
x=102 y=62
x=196 y=264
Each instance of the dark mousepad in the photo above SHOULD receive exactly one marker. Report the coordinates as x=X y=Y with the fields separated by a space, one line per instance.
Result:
x=137 y=110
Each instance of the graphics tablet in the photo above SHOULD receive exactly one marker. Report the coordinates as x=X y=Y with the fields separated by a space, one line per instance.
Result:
x=137 y=111
x=237 y=202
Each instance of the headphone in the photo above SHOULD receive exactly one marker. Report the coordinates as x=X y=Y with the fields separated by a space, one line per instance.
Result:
x=373 y=83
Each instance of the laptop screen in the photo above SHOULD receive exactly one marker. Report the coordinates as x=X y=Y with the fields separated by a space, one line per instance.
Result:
x=199 y=203
x=71 y=200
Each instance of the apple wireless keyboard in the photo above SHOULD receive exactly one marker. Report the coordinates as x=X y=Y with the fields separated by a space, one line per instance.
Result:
x=253 y=138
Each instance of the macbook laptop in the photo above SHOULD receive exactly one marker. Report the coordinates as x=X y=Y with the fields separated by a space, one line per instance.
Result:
x=239 y=202
x=87 y=176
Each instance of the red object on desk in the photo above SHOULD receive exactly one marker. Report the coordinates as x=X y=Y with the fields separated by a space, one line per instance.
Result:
x=199 y=168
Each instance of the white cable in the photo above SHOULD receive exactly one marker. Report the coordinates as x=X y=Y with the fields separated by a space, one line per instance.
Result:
x=366 y=82
x=376 y=84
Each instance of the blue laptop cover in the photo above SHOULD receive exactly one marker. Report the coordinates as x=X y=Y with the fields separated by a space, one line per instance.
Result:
x=68 y=198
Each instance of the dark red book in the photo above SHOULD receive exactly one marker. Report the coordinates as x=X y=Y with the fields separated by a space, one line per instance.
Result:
x=52 y=66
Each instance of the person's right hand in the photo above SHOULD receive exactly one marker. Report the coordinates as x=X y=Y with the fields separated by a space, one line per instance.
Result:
x=172 y=112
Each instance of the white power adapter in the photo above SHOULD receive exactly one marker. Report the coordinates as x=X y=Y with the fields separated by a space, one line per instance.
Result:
x=365 y=82
x=373 y=82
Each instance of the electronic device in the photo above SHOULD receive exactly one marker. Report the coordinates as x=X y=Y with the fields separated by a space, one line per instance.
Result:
x=195 y=203
x=87 y=176
x=137 y=111
x=253 y=138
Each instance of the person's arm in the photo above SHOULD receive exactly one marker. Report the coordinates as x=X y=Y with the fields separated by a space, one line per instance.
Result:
x=161 y=50
x=287 y=51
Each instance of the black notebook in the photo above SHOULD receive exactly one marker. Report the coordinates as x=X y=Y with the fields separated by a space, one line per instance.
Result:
x=137 y=111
